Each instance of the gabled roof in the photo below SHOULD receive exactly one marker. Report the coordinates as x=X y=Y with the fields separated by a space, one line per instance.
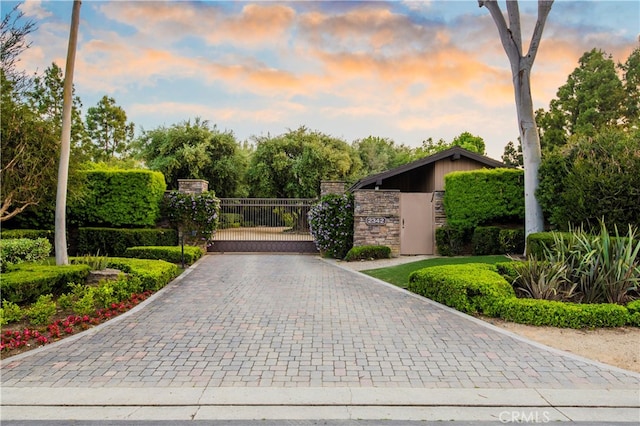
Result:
x=454 y=153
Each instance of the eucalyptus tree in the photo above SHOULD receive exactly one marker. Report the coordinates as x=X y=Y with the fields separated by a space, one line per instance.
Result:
x=521 y=65
x=65 y=141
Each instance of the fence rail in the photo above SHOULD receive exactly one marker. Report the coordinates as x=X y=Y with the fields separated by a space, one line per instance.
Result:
x=264 y=219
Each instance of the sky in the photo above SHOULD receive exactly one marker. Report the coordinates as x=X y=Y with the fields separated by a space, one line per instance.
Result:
x=403 y=70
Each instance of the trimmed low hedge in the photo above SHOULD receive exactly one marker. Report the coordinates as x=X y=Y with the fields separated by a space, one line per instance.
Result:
x=511 y=241
x=563 y=314
x=171 y=254
x=451 y=241
x=29 y=280
x=479 y=288
x=32 y=234
x=367 y=253
x=114 y=241
x=486 y=240
x=537 y=242
x=154 y=274
x=19 y=250
x=470 y=288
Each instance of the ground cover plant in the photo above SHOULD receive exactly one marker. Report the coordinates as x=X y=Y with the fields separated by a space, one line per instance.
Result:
x=78 y=306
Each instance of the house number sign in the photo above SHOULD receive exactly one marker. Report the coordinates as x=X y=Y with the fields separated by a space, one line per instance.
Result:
x=375 y=220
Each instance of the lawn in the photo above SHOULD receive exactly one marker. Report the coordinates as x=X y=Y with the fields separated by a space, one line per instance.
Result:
x=399 y=275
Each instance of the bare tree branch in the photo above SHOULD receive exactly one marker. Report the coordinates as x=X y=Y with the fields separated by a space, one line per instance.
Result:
x=513 y=10
x=509 y=45
x=544 y=7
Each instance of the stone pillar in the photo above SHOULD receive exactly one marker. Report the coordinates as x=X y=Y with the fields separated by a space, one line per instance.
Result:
x=331 y=187
x=377 y=219
x=193 y=186
x=439 y=215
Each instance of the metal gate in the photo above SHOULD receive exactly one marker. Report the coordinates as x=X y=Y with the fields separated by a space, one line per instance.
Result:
x=264 y=225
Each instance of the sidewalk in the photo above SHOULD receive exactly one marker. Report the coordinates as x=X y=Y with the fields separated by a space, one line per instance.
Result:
x=295 y=337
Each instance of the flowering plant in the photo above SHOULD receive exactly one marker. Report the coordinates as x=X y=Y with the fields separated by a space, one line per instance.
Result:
x=331 y=224
x=195 y=215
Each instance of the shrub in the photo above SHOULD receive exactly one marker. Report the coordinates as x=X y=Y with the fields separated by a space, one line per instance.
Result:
x=479 y=197
x=170 y=254
x=563 y=314
x=196 y=215
x=634 y=306
x=511 y=241
x=32 y=234
x=486 y=240
x=42 y=311
x=28 y=281
x=507 y=270
x=114 y=242
x=120 y=198
x=20 y=250
x=539 y=242
x=451 y=241
x=591 y=178
x=10 y=312
x=469 y=288
x=230 y=220
x=331 y=224
x=153 y=274
x=368 y=253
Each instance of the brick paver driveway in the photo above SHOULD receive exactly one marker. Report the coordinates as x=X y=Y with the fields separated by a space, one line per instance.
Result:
x=278 y=321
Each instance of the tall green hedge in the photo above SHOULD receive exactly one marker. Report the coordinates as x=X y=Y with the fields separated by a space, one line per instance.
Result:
x=481 y=197
x=120 y=198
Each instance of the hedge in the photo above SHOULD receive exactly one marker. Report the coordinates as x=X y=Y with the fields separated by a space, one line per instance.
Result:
x=171 y=254
x=479 y=288
x=154 y=274
x=486 y=240
x=32 y=234
x=29 y=280
x=120 y=198
x=368 y=253
x=480 y=197
x=511 y=241
x=114 y=242
x=564 y=314
x=451 y=241
x=19 y=250
x=470 y=288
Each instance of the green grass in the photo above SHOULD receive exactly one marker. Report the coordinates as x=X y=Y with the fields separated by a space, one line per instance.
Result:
x=399 y=275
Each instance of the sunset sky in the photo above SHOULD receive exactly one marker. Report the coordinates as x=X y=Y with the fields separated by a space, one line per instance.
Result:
x=406 y=70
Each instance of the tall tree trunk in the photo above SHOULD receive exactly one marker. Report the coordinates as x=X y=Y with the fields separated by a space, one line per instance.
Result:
x=511 y=38
x=62 y=257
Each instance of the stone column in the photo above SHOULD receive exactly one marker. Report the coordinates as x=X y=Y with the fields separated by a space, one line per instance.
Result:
x=331 y=187
x=377 y=219
x=439 y=215
x=193 y=186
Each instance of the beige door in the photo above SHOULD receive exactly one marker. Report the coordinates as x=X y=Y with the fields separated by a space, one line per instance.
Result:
x=416 y=223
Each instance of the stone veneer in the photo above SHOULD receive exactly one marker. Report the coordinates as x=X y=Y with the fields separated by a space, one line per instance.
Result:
x=331 y=187
x=376 y=205
x=439 y=216
x=193 y=186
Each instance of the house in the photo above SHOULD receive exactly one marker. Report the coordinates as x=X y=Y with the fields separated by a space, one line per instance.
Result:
x=402 y=207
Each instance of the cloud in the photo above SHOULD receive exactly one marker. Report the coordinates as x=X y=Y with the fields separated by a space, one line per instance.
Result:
x=34 y=9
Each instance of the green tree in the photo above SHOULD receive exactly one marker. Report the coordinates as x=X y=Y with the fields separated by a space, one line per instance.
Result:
x=631 y=74
x=511 y=156
x=464 y=140
x=29 y=154
x=196 y=150
x=592 y=98
x=108 y=129
x=592 y=178
x=46 y=98
x=292 y=165
x=380 y=154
